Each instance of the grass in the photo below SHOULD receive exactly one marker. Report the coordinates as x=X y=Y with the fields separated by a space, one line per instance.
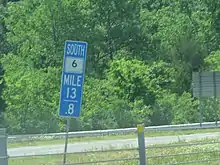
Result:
x=151 y=152
x=111 y=137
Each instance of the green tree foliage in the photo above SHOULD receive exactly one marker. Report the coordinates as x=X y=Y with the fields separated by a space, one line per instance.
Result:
x=30 y=107
x=140 y=59
x=3 y=49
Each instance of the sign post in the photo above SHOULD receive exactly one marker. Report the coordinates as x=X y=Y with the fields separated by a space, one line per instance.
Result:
x=72 y=83
x=206 y=85
x=3 y=147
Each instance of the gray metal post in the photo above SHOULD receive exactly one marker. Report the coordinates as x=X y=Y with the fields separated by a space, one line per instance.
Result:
x=200 y=95
x=215 y=98
x=66 y=141
x=141 y=145
x=3 y=147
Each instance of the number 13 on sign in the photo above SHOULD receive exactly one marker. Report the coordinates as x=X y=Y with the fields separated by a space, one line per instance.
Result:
x=71 y=93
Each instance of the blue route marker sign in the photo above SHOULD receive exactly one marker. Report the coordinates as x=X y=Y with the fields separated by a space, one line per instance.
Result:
x=72 y=78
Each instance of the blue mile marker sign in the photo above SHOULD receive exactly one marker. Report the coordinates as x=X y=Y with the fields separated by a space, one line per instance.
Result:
x=72 y=78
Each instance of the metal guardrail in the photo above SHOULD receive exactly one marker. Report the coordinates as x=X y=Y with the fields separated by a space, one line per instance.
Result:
x=192 y=152
x=141 y=158
x=205 y=125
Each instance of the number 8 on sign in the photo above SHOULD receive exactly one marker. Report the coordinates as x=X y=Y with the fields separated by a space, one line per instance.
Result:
x=71 y=109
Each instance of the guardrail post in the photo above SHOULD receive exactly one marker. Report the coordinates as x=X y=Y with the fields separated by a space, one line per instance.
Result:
x=3 y=147
x=141 y=144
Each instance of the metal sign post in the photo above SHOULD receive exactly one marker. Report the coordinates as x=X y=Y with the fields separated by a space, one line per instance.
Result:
x=3 y=147
x=72 y=83
x=66 y=140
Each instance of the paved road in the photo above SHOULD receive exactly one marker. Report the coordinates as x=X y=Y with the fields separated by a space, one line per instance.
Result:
x=105 y=144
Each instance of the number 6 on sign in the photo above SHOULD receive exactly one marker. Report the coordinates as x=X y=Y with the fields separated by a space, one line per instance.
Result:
x=74 y=64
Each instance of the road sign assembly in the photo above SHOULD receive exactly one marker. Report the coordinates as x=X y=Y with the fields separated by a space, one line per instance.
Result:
x=72 y=78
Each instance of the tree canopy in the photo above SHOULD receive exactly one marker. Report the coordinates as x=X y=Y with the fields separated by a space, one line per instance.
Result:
x=141 y=55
